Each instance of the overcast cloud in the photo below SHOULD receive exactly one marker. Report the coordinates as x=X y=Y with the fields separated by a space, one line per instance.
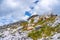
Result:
x=14 y=10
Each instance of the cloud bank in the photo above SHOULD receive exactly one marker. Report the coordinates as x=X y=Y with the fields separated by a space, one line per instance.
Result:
x=14 y=10
x=45 y=6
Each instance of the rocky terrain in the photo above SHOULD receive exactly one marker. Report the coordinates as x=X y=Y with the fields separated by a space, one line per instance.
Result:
x=37 y=27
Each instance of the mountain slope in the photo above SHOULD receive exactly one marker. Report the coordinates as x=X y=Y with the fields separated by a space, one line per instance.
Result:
x=36 y=27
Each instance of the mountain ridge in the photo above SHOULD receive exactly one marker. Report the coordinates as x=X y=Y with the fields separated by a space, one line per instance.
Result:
x=20 y=21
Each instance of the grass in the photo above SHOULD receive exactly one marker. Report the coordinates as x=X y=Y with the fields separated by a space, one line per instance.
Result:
x=45 y=31
x=25 y=25
x=57 y=28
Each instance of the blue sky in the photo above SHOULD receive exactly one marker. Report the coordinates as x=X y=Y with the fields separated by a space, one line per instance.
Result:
x=14 y=10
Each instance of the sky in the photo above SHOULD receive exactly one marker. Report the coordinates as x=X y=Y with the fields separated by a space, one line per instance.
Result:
x=15 y=10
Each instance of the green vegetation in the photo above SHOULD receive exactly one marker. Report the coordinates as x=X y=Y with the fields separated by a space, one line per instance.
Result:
x=32 y=20
x=52 y=19
x=57 y=28
x=35 y=34
x=25 y=25
x=45 y=31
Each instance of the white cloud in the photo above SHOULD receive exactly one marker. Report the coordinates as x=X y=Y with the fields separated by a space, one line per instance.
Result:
x=48 y=3
x=45 y=6
x=13 y=10
x=19 y=7
x=12 y=3
x=25 y=18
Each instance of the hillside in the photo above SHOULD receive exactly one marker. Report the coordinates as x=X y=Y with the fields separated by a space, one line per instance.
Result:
x=37 y=27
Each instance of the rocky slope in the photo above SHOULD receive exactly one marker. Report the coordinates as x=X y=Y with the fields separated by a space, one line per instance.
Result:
x=37 y=27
